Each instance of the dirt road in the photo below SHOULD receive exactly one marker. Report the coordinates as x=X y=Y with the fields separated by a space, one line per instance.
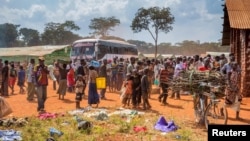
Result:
x=182 y=108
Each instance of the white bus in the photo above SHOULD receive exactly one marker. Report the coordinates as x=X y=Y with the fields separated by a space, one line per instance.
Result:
x=98 y=49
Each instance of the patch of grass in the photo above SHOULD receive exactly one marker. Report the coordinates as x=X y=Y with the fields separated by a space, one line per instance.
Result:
x=115 y=127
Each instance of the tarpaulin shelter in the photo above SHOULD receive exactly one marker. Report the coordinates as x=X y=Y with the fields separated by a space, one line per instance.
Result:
x=30 y=51
x=24 y=53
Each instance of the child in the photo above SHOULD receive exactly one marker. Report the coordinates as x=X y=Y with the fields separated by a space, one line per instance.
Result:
x=21 y=79
x=71 y=80
x=164 y=79
x=145 y=89
x=12 y=77
x=79 y=90
x=62 y=81
x=128 y=91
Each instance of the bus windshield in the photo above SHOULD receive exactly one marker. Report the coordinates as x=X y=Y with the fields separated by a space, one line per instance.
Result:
x=83 y=49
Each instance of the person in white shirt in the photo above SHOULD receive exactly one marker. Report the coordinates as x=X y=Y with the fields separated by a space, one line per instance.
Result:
x=157 y=68
x=30 y=80
x=177 y=70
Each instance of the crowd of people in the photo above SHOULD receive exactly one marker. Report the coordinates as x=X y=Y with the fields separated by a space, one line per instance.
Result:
x=132 y=77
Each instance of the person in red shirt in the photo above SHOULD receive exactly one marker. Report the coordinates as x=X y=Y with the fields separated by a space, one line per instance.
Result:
x=164 y=78
x=206 y=65
x=71 y=80
x=41 y=76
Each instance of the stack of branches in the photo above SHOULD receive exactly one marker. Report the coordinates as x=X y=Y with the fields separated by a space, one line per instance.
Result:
x=198 y=81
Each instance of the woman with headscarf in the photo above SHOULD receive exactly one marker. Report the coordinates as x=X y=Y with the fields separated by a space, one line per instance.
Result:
x=233 y=97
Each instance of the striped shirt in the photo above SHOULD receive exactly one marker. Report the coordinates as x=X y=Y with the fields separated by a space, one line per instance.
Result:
x=120 y=68
x=164 y=76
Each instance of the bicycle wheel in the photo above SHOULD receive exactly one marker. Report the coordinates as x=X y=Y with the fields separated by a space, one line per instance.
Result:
x=199 y=110
x=215 y=114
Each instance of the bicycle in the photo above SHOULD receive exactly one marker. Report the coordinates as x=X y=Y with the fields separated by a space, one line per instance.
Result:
x=216 y=112
x=212 y=112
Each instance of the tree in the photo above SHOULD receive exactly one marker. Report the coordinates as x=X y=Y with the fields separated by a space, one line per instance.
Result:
x=59 y=33
x=8 y=34
x=30 y=36
x=102 y=25
x=153 y=19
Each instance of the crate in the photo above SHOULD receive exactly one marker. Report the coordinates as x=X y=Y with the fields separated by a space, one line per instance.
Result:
x=100 y=82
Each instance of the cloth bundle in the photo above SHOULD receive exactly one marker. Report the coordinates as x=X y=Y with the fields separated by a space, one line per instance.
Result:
x=10 y=135
x=165 y=126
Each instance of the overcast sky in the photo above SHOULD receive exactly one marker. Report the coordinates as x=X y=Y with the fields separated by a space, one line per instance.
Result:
x=194 y=19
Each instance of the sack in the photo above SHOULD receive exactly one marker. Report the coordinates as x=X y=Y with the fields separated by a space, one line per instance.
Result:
x=5 y=108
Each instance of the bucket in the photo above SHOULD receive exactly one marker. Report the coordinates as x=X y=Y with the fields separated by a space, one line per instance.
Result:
x=100 y=82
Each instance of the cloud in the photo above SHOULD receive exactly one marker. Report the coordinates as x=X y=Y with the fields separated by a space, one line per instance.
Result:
x=202 y=17
x=14 y=14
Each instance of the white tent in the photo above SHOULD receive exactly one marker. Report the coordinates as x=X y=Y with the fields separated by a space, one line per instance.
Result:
x=218 y=53
x=30 y=51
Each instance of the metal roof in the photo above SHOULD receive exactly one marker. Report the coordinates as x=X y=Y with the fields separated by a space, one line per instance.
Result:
x=239 y=13
x=236 y=16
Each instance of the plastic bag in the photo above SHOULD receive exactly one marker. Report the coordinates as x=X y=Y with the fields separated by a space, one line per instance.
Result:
x=156 y=82
x=5 y=108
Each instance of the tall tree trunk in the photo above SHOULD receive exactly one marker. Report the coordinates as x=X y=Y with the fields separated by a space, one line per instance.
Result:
x=156 y=49
x=156 y=39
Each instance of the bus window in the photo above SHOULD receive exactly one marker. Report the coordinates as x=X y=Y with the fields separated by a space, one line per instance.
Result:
x=102 y=49
x=89 y=50
x=120 y=51
x=81 y=50
x=135 y=51
x=76 y=51
x=110 y=50
x=125 y=50
x=132 y=51
x=115 y=50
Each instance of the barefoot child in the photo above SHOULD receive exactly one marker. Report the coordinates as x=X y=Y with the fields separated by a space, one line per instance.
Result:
x=128 y=91
x=79 y=90
x=21 y=79
x=71 y=80
x=12 y=77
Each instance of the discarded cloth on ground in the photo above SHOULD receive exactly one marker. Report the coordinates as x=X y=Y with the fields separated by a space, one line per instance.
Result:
x=82 y=124
x=13 y=121
x=101 y=116
x=98 y=114
x=164 y=126
x=53 y=131
x=128 y=112
x=10 y=135
x=49 y=115
x=140 y=128
x=76 y=112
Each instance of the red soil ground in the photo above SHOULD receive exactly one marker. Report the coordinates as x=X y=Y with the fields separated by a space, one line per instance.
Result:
x=176 y=108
